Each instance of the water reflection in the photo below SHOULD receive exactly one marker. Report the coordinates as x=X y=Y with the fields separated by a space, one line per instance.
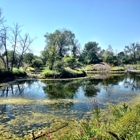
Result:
x=35 y=104
x=61 y=89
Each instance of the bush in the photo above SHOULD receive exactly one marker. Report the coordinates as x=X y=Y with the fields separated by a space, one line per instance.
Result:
x=69 y=61
x=69 y=73
x=65 y=73
x=19 y=72
x=30 y=69
x=49 y=73
x=6 y=74
x=37 y=63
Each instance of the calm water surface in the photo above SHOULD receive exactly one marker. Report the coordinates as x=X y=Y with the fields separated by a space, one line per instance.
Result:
x=36 y=105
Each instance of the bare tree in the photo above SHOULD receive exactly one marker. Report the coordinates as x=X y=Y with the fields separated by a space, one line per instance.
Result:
x=24 y=46
x=11 y=40
x=132 y=50
x=15 y=41
x=3 y=48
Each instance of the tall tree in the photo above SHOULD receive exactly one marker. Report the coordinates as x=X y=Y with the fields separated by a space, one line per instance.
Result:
x=25 y=43
x=15 y=39
x=75 y=49
x=3 y=44
x=52 y=55
x=12 y=41
x=63 y=39
x=91 y=52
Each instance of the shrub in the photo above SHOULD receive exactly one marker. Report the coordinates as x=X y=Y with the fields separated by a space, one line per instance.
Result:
x=49 y=73
x=69 y=73
x=37 y=63
x=6 y=74
x=69 y=61
x=30 y=69
x=19 y=72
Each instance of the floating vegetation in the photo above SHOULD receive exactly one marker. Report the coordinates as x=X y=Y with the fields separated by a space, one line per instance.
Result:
x=35 y=107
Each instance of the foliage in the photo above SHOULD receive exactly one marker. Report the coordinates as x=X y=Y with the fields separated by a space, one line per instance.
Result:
x=90 y=53
x=37 y=63
x=6 y=74
x=63 y=39
x=125 y=125
x=69 y=61
x=70 y=73
x=59 y=66
x=28 y=57
x=12 y=74
x=19 y=72
x=30 y=69
x=52 y=56
x=49 y=73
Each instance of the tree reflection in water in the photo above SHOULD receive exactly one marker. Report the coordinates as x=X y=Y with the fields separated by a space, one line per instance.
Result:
x=132 y=81
x=61 y=89
x=16 y=88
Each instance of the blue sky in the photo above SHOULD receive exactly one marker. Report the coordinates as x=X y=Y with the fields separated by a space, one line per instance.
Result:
x=108 y=22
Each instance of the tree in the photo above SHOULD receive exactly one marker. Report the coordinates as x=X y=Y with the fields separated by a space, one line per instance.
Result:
x=63 y=39
x=52 y=55
x=3 y=43
x=28 y=57
x=37 y=63
x=3 y=48
x=108 y=56
x=12 y=41
x=75 y=49
x=133 y=50
x=25 y=43
x=91 y=52
x=15 y=41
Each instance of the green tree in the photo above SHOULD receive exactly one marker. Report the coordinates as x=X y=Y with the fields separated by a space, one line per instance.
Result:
x=91 y=52
x=63 y=39
x=69 y=61
x=52 y=55
x=28 y=57
x=109 y=57
x=37 y=63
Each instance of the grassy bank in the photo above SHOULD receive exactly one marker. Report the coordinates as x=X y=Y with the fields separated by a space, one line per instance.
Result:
x=65 y=73
x=10 y=75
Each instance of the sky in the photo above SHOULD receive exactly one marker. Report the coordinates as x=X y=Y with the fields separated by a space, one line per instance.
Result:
x=108 y=22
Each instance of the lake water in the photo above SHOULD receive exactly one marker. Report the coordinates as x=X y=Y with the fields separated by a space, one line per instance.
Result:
x=40 y=105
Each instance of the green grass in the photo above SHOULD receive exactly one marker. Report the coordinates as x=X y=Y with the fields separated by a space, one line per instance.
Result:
x=125 y=124
x=19 y=72
x=117 y=69
x=70 y=73
x=49 y=73
x=90 y=68
x=65 y=73
x=30 y=69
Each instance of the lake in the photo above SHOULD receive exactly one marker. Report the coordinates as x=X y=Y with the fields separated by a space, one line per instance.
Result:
x=40 y=105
